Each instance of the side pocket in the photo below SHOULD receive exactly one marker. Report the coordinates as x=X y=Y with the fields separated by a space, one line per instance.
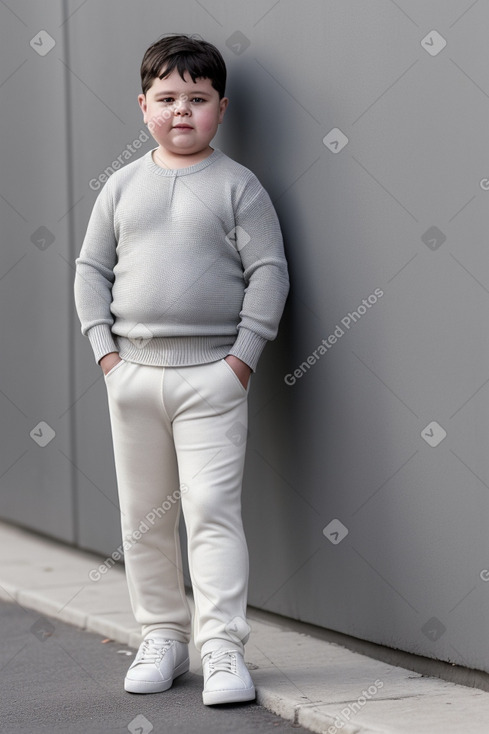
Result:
x=114 y=368
x=236 y=378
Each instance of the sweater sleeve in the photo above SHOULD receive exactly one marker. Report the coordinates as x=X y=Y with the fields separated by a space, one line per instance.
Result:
x=258 y=239
x=94 y=277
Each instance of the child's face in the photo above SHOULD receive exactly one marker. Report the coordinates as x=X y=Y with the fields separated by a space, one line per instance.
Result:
x=182 y=115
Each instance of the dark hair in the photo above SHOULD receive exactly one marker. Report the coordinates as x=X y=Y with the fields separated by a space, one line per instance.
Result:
x=201 y=59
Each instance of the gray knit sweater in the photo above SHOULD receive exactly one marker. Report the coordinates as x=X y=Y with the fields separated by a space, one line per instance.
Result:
x=181 y=266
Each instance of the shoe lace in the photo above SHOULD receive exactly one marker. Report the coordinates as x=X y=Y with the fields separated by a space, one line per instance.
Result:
x=152 y=651
x=222 y=660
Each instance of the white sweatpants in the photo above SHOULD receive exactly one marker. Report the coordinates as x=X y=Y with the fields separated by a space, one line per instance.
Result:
x=179 y=437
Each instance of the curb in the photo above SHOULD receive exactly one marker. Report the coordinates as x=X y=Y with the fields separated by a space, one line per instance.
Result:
x=317 y=684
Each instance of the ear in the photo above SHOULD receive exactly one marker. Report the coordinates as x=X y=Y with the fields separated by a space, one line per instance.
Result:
x=222 y=108
x=143 y=104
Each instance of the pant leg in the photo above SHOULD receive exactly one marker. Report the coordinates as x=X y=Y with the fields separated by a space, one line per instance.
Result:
x=209 y=410
x=149 y=496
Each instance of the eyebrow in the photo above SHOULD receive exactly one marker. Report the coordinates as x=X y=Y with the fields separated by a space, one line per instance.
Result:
x=167 y=94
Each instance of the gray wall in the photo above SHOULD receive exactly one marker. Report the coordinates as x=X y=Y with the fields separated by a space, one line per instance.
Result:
x=356 y=520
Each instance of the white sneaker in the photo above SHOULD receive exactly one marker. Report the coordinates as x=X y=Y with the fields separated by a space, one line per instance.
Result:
x=157 y=663
x=226 y=678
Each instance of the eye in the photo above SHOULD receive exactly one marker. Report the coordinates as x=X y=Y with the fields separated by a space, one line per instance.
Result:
x=198 y=99
x=167 y=100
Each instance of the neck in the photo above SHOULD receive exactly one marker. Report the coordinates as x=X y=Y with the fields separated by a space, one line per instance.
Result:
x=168 y=160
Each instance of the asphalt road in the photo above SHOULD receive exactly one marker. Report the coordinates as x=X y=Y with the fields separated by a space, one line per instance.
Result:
x=58 y=678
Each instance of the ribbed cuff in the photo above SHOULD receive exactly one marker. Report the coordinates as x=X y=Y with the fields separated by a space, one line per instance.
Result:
x=102 y=341
x=248 y=347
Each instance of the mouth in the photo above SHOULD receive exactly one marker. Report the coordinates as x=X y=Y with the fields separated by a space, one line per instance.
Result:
x=182 y=127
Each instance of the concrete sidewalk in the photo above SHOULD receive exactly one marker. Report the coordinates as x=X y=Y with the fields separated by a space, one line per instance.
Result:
x=319 y=685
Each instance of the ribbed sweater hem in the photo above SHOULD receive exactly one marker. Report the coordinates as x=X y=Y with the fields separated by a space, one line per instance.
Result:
x=175 y=351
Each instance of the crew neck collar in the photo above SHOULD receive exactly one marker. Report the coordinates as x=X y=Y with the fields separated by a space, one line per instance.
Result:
x=159 y=171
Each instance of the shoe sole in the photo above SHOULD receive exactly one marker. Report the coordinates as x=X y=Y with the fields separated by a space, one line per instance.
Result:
x=141 y=686
x=211 y=698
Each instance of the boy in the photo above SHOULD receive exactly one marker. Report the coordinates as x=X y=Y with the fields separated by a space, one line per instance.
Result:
x=180 y=282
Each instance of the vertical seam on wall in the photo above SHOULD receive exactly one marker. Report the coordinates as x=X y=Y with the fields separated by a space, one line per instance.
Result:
x=71 y=254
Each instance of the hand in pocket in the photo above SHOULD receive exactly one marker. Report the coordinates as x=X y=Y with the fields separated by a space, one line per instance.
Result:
x=240 y=368
x=108 y=361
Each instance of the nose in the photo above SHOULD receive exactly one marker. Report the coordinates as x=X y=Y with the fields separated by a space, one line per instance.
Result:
x=182 y=107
